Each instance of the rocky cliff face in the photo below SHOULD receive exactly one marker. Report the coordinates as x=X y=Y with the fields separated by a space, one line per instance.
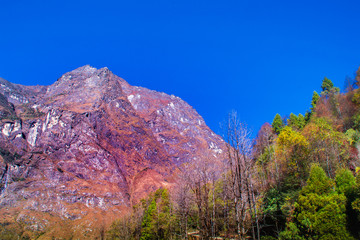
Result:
x=87 y=147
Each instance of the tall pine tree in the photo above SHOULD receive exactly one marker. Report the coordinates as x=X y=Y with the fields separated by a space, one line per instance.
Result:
x=277 y=124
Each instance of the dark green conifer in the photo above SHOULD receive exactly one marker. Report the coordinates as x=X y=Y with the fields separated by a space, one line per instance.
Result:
x=148 y=223
x=301 y=121
x=314 y=101
x=327 y=85
x=277 y=123
x=292 y=121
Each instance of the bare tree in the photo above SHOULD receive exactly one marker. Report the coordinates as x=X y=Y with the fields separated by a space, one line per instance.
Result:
x=199 y=176
x=241 y=165
x=181 y=197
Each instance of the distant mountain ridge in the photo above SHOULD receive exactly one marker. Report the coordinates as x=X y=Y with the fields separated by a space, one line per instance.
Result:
x=83 y=149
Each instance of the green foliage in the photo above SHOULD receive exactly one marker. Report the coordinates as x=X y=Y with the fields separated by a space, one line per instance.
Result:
x=296 y=122
x=275 y=216
x=352 y=192
x=318 y=182
x=121 y=229
x=307 y=116
x=314 y=101
x=319 y=211
x=327 y=85
x=353 y=136
x=356 y=120
x=150 y=219
x=267 y=238
x=148 y=223
x=291 y=233
x=345 y=181
x=292 y=121
x=291 y=151
x=157 y=220
x=301 y=121
x=289 y=138
x=327 y=146
x=277 y=124
x=265 y=157
x=356 y=97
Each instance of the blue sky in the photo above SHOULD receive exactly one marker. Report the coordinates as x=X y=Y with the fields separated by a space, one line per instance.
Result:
x=257 y=57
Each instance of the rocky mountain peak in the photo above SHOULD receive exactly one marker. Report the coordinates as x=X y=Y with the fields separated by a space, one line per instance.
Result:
x=91 y=145
x=84 y=89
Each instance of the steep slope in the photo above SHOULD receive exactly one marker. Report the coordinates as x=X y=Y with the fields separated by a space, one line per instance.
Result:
x=84 y=149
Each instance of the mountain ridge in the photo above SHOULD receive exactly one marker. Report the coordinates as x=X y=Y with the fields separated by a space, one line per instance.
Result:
x=92 y=144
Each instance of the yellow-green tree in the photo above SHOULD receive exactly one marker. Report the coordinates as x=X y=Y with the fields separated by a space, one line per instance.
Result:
x=327 y=146
x=157 y=219
x=291 y=154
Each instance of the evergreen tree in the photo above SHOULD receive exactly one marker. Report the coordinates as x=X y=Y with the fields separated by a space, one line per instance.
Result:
x=301 y=121
x=148 y=224
x=327 y=85
x=157 y=219
x=345 y=181
x=277 y=124
x=292 y=121
x=314 y=101
x=319 y=211
x=164 y=219
x=328 y=88
x=307 y=116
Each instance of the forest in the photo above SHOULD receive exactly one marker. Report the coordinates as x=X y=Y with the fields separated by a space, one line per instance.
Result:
x=298 y=179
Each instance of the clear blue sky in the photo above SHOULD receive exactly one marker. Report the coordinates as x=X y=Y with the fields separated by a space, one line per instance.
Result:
x=257 y=57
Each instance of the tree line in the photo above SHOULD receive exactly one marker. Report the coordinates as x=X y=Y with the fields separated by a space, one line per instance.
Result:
x=298 y=179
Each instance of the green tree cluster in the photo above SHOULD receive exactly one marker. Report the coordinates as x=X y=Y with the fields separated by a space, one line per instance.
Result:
x=156 y=223
x=320 y=212
x=151 y=219
x=297 y=122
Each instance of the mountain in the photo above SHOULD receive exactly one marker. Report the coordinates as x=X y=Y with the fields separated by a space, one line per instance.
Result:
x=77 y=154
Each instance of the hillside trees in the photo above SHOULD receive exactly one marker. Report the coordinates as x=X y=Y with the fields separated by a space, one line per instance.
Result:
x=150 y=219
x=319 y=211
x=328 y=147
x=241 y=167
x=198 y=177
x=320 y=140
x=291 y=151
x=182 y=205
x=264 y=154
x=295 y=181
x=157 y=220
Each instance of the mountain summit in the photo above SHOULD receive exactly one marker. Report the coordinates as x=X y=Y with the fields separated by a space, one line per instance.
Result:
x=84 y=149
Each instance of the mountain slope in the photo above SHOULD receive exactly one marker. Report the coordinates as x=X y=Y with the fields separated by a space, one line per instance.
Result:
x=84 y=149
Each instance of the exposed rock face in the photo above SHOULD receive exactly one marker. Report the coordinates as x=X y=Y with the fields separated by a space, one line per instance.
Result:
x=91 y=144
